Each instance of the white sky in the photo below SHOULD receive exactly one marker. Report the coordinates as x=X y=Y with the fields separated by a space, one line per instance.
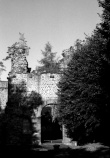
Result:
x=60 y=22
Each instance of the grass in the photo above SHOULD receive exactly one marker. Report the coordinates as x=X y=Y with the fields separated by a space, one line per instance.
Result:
x=92 y=150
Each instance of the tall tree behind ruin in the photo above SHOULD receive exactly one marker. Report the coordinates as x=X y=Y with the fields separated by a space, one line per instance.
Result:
x=49 y=63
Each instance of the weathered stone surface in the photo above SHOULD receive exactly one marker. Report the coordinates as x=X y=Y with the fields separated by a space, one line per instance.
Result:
x=48 y=86
x=66 y=140
x=3 y=93
x=19 y=63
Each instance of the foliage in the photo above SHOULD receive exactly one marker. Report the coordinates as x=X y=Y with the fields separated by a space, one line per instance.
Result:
x=84 y=89
x=17 y=123
x=75 y=94
x=34 y=99
x=2 y=67
x=18 y=47
x=49 y=62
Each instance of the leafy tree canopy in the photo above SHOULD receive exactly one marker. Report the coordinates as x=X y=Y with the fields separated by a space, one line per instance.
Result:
x=84 y=89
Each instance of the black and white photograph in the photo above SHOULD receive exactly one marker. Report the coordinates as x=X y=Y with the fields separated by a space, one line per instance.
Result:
x=54 y=78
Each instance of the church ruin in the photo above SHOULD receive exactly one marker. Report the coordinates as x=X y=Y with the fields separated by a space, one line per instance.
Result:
x=42 y=83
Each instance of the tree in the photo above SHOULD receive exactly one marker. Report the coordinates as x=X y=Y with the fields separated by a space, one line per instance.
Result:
x=17 y=124
x=77 y=92
x=17 y=53
x=34 y=100
x=84 y=89
x=49 y=62
x=2 y=68
x=15 y=116
x=18 y=47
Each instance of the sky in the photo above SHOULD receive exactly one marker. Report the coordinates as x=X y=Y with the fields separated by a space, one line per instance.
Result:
x=59 y=22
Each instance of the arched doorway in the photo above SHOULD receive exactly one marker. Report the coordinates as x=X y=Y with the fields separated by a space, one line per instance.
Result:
x=50 y=128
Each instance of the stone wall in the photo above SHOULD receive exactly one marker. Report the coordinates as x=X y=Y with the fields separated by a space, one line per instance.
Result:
x=48 y=86
x=44 y=84
x=33 y=82
x=3 y=93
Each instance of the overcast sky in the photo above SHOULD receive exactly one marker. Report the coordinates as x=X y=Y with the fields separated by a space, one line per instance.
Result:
x=60 y=22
